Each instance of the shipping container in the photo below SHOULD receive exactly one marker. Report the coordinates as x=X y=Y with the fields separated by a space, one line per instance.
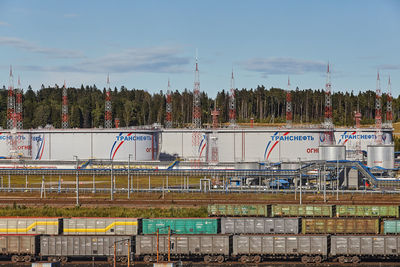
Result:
x=391 y=227
x=210 y=248
x=30 y=225
x=256 y=225
x=297 y=210
x=254 y=248
x=354 y=248
x=340 y=226
x=238 y=210
x=367 y=211
x=63 y=248
x=180 y=226
x=100 y=226
x=19 y=247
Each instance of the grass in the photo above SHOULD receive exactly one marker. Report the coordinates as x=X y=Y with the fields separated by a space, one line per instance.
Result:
x=48 y=211
x=101 y=181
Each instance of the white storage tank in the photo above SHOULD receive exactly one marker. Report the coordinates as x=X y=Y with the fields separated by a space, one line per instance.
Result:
x=380 y=156
x=332 y=152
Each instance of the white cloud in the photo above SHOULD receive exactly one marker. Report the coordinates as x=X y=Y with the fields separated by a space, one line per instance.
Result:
x=2 y=23
x=267 y=66
x=31 y=47
x=389 y=67
x=154 y=59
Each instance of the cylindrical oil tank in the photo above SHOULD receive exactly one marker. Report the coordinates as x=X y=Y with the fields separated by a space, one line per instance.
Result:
x=106 y=144
x=332 y=152
x=381 y=156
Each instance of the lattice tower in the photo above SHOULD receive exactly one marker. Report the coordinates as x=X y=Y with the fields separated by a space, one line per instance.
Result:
x=389 y=108
x=289 y=113
x=18 y=106
x=328 y=100
x=214 y=137
x=10 y=102
x=64 y=108
x=196 y=116
x=232 y=103
x=108 y=106
x=378 y=111
x=196 y=120
x=357 y=116
x=168 y=111
x=329 y=137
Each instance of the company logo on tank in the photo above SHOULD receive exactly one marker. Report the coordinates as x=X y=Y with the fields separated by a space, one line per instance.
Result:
x=358 y=136
x=292 y=138
x=9 y=137
x=133 y=138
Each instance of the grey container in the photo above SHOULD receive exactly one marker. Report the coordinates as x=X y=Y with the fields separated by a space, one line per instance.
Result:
x=100 y=226
x=183 y=245
x=84 y=246
x=369 y=246
x=29 y=225
x=257 y=225
x=271 y=245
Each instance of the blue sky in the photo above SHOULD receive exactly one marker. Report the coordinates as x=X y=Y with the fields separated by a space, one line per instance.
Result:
x=143 y=43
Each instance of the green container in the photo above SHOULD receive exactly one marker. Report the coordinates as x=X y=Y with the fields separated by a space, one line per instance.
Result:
x=391 y=227
x=180 y=226
x=238 y=210
x=296 y=210
x=367 y=211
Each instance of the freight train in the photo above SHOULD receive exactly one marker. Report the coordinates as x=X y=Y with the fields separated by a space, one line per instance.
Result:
x=344 y=233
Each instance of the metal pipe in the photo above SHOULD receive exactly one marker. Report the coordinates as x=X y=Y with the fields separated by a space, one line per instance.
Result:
x=112 y=183
x=129 y=175
x=77 y=181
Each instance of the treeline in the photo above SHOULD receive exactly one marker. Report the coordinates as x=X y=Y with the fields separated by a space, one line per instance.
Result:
x=136 y=107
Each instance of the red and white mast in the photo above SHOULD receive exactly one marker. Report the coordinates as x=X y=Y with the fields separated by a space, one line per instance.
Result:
x=389 y=108
x=18 y=106
x=232 y=103
x=10 y=102
x=196 y=116
x=196 y=121
x=168 y=118
x=64 y=109
x=328 y=123
x=378 y=111
x=108 y=106
x=289 y=114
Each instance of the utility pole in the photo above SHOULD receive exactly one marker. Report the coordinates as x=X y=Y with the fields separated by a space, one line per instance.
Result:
x=129 y=175
x=77 y=181
x=112 y=182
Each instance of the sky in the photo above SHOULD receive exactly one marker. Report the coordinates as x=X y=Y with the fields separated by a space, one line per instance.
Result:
x=142 y=44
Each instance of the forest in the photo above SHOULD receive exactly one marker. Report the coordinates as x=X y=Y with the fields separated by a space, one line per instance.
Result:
x=135 y=107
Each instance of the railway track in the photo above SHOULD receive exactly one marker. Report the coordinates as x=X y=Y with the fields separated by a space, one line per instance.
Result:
x=88 y=202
